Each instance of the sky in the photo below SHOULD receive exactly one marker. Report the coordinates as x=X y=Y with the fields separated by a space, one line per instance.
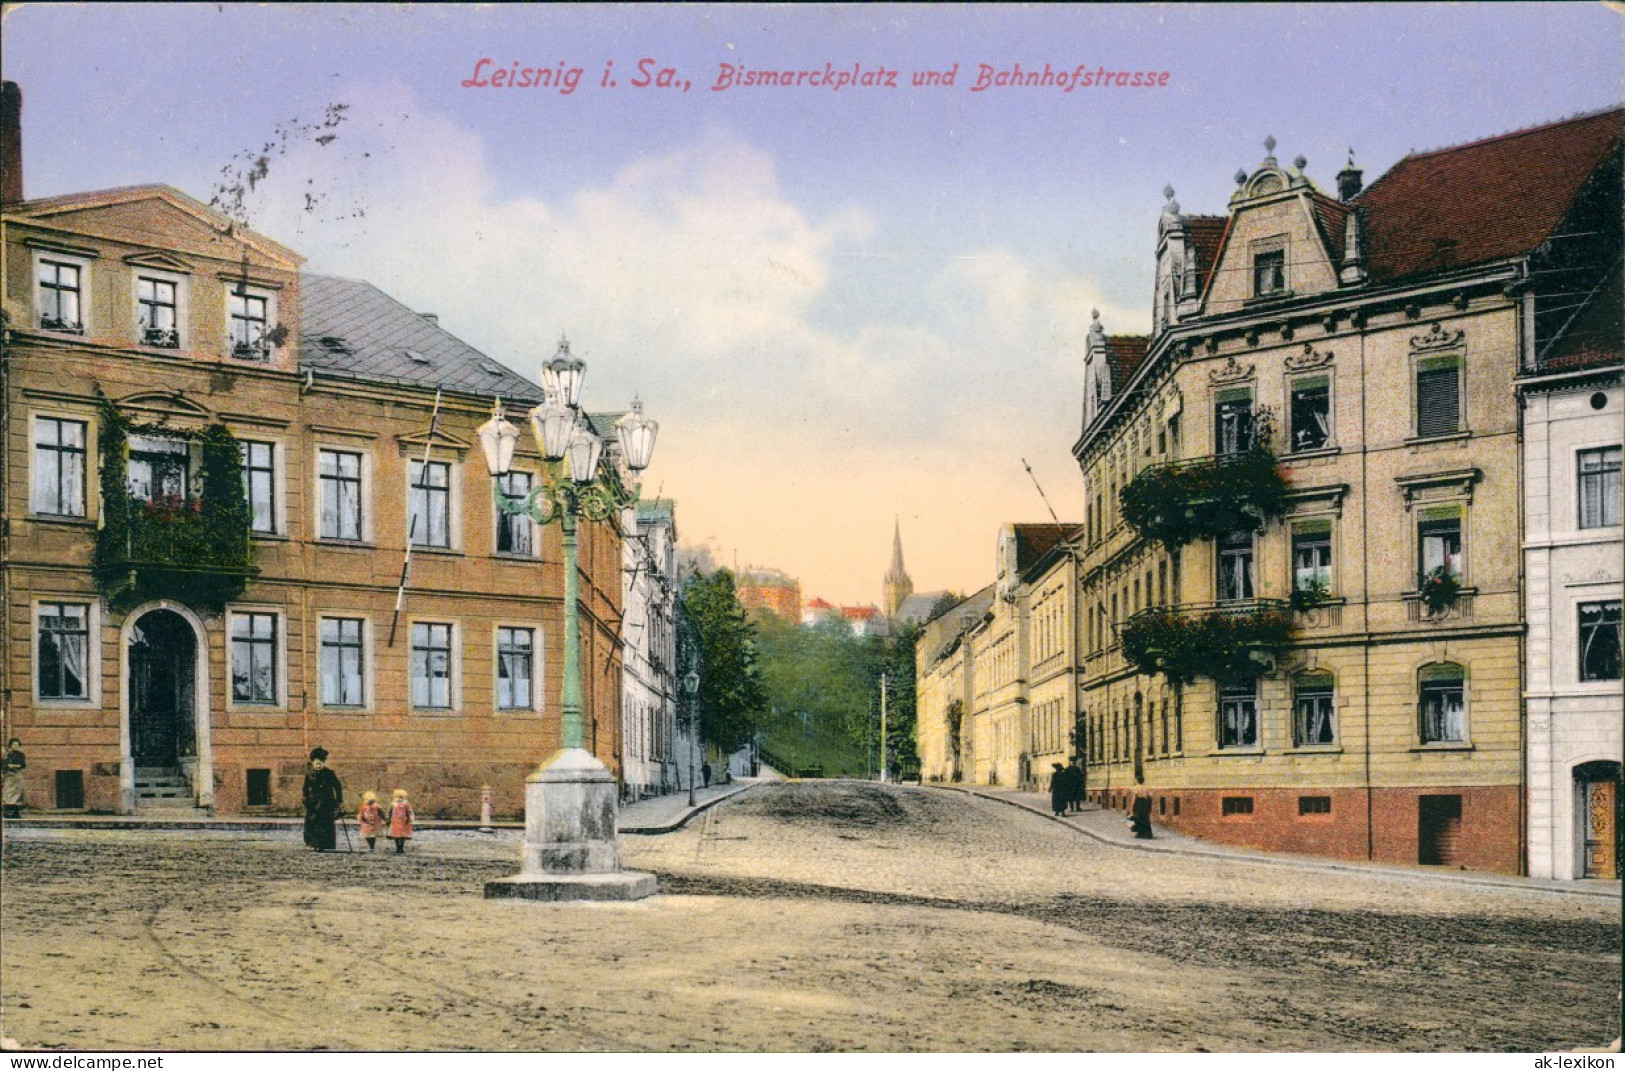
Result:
x=849 y=303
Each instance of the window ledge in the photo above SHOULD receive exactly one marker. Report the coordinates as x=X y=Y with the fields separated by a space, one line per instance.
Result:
x=85 y=703
x=1229 y=752
x=269 y=537
x=1309 y=455
x=358 y=711
x=1449 y=437
x=1314 y=749
x=1268 y=298
x=63 y=519
x=346 y=544
x=433 y=712
x=443 y=552
x=514 y=556
x=251 y=709
x=1450 y=746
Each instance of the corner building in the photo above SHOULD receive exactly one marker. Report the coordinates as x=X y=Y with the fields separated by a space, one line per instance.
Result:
x=1304 y=619
x=213 y=463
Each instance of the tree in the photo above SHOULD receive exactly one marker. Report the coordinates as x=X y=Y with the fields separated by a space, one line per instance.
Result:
x=900 y=700
x=731 y=699
x=945 y=602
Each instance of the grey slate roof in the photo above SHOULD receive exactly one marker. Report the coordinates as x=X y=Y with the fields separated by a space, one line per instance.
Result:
x=351 y=328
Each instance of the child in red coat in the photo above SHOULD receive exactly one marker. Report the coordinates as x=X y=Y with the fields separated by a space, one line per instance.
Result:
x=400 y=820
x=371 y=819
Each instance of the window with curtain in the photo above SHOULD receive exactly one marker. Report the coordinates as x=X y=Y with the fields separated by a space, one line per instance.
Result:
x=59 y=467
x=431 y=666
x=515 y=668
x=1233 y=425
x=1599 y=487
x=1439 y=541
x=253 y=658
x=1235 y=564
x=1443 y=701
x=1311 y=413
x=62 y=650
x=1599 y=641
x=1238 y=714
x=1312 y=700
x=341 y=662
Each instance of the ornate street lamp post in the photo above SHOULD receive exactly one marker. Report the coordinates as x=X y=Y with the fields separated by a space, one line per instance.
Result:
x=570 y=799
x=691 y=685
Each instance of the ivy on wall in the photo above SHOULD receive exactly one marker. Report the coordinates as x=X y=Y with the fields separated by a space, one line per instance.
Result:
x=193 y=550
x=1222 y=643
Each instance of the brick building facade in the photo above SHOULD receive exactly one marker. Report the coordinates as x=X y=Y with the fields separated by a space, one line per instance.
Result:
x=169 y=641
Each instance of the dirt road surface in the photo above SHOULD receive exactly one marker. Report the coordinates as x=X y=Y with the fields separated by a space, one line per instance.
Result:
x=837 y=916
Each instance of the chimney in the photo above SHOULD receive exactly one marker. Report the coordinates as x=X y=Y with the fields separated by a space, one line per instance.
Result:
x=1348 y=180
x=11 y=143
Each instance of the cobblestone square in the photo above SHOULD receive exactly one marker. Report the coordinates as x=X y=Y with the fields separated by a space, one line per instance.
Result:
x=839 y=916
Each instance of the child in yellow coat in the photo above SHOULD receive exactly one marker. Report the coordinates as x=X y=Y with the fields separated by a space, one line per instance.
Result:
x=400 y=820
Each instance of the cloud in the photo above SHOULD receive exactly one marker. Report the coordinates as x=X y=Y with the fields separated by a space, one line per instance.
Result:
x=692 y=277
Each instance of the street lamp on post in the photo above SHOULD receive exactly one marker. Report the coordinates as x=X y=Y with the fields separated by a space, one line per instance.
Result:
x=570 y=799
x=691 y=685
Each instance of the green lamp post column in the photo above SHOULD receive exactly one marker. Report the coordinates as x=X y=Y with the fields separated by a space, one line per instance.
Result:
x=570 y=850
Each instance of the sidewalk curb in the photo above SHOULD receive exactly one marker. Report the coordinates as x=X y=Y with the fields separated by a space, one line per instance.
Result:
x=1509 y=882
x=704 y=805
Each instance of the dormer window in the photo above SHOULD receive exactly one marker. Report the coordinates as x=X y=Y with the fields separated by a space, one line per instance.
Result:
x=156 y=312
x=60 y=296
x=1269 y=272
x=250 y=314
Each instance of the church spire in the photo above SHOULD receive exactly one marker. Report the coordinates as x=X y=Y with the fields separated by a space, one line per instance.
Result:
x=897 y=586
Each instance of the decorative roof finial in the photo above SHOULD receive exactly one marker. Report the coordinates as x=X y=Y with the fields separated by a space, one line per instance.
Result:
x=1094 y=313
x=1269 y=144
x=1168 y=193
x=1301 y=162
x=1241 y=176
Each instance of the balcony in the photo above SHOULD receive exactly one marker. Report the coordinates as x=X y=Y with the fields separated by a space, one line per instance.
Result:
x=188 y=547
x=177 y=550
x=1222 y=641
x=1182 y=501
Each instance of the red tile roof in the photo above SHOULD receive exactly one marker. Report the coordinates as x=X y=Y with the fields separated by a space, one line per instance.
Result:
x=1033 y=541
x=1207 y=235
x=1123 y=355
x=1484 y=201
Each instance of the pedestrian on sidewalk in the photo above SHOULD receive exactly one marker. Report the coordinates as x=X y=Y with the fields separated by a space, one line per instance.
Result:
x=1140 y=822
x=400 y=820
x=1077 y=787
x=1060 y=789
x=705 y=772
x=11 y=774
x=324 y=796
x=371 y=819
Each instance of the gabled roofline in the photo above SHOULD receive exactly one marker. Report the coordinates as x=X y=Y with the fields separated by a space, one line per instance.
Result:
x=47 y=207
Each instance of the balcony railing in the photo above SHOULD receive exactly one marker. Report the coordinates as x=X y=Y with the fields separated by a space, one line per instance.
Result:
x=1219 y=640
x=180 y=550
x=1180 y=502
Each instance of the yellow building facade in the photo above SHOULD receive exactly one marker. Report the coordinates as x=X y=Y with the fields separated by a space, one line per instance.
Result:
x=1301 y=595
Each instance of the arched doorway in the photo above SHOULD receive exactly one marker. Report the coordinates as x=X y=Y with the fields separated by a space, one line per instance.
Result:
x=162 y=696
x=1597 y=792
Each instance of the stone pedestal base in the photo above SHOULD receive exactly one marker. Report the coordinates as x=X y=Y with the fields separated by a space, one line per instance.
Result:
x=621 y=885
x=570 y=848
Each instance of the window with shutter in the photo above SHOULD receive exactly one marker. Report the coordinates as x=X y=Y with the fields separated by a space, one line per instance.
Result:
x=1438 y=399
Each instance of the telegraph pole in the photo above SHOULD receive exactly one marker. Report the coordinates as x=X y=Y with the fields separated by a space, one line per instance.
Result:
x=884 y=677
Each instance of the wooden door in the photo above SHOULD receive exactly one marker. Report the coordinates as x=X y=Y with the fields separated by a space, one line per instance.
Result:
x=1439 y=840
x=1602 y=829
